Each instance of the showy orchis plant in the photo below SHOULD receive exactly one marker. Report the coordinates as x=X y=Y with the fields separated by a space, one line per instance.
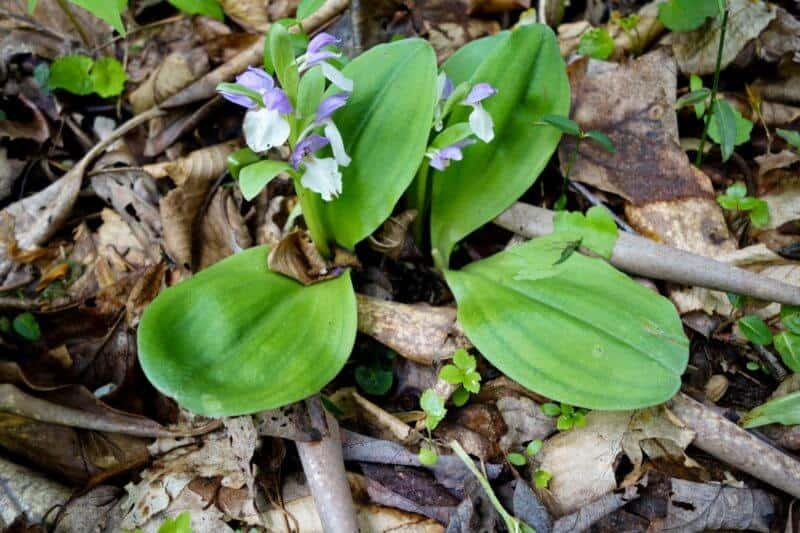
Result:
x=237 y=337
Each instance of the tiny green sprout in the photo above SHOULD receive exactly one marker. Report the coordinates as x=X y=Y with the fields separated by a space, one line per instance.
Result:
x=755 y=329
x=752 y=366
x=541 y=478
x=629 y=25
x=428 y=456
x=180 y=524
x=534 y=447
x=27 y=327
x=736 y=300
x=517 y=459
x=5 y=324
x=790 y=136
x=568 y=416
x=790 y=318
x=596 y=43
x=462 y=373
x=433 y=406
x=82 y=75
x=736 y=199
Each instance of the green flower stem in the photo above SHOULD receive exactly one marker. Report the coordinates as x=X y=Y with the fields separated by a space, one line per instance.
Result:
x=714 y=87
x=308 y=203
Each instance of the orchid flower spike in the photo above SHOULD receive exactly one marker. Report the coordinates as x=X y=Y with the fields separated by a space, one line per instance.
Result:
x=480 y=120
x=440 y=159
x=320 y=175
x=317 y=55
x=323 y=118
x=265 y=124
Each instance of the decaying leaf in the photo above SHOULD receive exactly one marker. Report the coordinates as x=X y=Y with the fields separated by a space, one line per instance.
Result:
x=582 y=461
x=696 y=51
x=525 y=421
x=669 y=200
x=175 y=72
x=223 y=231
x=297 y=257
x=180 y=479
x=27 y=494
x=250 y=14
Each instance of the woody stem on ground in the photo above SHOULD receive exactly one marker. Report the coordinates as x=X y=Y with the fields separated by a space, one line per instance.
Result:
x=714 y=88
x=74 y=21
x=643 y=257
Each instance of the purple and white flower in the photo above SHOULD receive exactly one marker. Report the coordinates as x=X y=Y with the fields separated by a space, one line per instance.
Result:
x=317 y=55
x=265 y=123
x=323 y=118
x=320 y=175
x=440 y=159
x=480 y=120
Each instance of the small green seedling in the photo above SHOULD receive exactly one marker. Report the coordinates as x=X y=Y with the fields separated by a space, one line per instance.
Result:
x=629 y=26
x=433 y=406
x=568 y=416
x=517 y=459
x=755 y=329
x=597 y=43
x=428 y=456
x=462 y=373
x=790 y=136
x=534 y=447
x=541 y=478
x=26 y=326
x=786 y=342
x=572 y=128
x=82 y=75
x=736 y=199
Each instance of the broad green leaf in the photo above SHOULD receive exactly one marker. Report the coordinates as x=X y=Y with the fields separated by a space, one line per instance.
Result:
x=107 y=10
x=385 y=127
x=282 y=54
x=71 y=73
x=237 y=338
x=255 y=177
x=108 y=77
x=788 y=345
x=240 y=159
x=309 y=93
x=587 y=336
x=755 y=329
x=461 y=65
x=453 y=134
x=686 y=15
x=790 y=136
x=597 y=43
x=526 y=68
x=790 y=318
x=724 y=121
x=563 y=124
x=210 y=8
x=784 y=410
x=596 y=230
x=602 y=139
x=306 y=8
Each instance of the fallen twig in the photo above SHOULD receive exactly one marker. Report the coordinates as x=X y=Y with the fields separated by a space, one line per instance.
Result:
x=323 y=465
x=646 y=258
x=419 y=332
x=206 y=86
x=718 y=436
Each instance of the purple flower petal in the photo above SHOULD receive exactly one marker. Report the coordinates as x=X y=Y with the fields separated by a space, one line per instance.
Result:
x=329 y=105
x=320 y=41
x=318 y=57
x=276 y=99
x=255 y=79
x=447 y=89
x=440 y=159
x=479 y=92
x=306 y=147
x=238 y=99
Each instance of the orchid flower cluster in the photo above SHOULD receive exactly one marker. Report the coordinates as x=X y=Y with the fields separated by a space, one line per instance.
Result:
x=273 y=118
x=448 y=145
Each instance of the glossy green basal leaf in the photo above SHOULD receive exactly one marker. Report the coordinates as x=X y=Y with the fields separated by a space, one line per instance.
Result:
x=385 y=127
x=584 y=334
x=526 y=68
x=784 y=410
x=461 y=66
x=237 y=338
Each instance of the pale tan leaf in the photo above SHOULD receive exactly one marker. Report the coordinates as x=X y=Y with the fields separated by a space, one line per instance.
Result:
x=176 y=71
x=252 y=15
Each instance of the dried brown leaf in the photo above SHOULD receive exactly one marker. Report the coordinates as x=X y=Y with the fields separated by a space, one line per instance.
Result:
x=252 y=15
x=175 y=72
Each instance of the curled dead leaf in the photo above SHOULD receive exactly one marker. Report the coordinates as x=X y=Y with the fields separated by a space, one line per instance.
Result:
x=392 y=238
x=175 y=72
x=204 y=164
x=297 y=257
x=250 y=14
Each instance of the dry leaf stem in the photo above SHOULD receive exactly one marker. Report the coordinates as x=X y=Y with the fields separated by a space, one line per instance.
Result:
x=643 y=257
